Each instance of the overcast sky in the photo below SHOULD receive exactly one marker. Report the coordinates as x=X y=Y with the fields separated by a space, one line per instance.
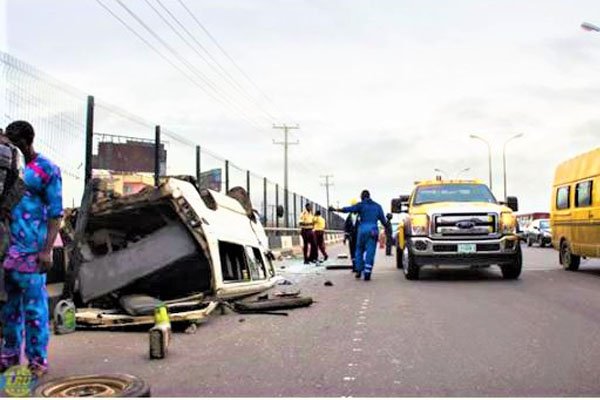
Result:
x=384 y=91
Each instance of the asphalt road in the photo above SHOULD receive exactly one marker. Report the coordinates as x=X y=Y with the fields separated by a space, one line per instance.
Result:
x=453 y=333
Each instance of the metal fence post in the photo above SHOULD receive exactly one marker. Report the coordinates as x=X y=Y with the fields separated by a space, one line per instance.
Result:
x=89 y=139
x=198 y=152
x=265 y=201
x=295 y=211
x=226 y=176
x=248 y=182
x=276 y=205
x=156 y=155
x=287 y=208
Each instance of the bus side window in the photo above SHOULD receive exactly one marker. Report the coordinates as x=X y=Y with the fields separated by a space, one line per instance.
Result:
x=583 y=194
x=562 y=198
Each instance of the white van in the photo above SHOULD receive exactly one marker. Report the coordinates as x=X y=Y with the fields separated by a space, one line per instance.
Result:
x=167 y=243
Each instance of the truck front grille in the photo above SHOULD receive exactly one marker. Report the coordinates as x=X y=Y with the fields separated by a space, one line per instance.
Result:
x=453 y=248
x=465 y=225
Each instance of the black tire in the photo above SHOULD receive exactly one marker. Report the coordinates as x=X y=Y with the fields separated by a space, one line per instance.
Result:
x=542 y=244
x=108 y=385
x=410 y=268
x=513 y=270
x=273 y=304
x=398 y=257
x=569 y=261
x=529 y=241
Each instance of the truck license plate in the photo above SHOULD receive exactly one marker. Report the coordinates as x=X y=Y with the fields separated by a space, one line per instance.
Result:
x=467 y=248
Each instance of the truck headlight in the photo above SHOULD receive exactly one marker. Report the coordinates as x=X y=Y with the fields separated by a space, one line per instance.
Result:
x=419 y=224
x=508 y=223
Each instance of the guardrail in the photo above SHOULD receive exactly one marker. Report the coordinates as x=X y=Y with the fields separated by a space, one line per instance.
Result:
x=297 y=230
x=285 y=240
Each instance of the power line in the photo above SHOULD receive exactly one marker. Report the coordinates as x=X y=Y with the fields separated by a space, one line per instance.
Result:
x=206 y=79
x=237 y=67
x=286 y=143
x=327 y=185
x=230 y=79
x=167 y=59
x=182 y=59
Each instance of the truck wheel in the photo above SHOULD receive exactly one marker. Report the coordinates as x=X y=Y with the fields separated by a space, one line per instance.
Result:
x=398 y=257
x=569 y=261
x=410 y=268
x=110 y=385
x=513 y=270
x=529 y=241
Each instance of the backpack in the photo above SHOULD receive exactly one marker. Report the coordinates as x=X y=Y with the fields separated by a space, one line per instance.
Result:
x=12 y=188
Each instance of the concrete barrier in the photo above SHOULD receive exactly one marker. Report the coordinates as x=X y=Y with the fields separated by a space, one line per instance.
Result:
x=288 y=242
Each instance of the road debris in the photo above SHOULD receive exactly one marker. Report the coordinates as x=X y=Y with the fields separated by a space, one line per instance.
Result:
x=328 y=283
x=339 y=266
x=160 y=334
x=191 y=328
x=273 y=304
x=292 y=293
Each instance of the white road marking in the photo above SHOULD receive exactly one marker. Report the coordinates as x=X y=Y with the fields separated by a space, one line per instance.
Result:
x=349 y=378
x=357 y=350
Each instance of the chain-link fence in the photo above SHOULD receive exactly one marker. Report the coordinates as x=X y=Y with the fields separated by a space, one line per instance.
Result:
x=57 y=113
x=88 y=138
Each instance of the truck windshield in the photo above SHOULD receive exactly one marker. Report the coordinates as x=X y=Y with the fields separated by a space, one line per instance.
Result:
x=463 y=192
x=545 y=224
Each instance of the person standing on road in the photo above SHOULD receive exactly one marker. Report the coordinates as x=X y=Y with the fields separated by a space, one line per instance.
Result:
x=351 y=234
x=320 y=234
x=388 y=234
x=307 y=224
x=35 y=222
x=369 y=212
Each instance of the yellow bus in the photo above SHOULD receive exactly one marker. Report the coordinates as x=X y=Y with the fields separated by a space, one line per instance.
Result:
x=575 y=215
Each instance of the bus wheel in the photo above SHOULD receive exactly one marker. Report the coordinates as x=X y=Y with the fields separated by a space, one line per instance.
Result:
x=570 y=261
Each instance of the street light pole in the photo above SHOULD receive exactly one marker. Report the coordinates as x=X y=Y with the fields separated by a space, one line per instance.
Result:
x=489 y=155
x=504 y=158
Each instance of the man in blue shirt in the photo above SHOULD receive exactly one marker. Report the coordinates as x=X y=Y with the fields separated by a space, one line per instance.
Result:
x=34 y=225
x=368 y=232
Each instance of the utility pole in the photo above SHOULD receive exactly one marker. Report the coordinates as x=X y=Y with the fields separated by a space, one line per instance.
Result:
x=327 y=184
x=286 y=143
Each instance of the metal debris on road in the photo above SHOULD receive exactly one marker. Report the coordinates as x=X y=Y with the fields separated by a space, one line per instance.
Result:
x=293 y=293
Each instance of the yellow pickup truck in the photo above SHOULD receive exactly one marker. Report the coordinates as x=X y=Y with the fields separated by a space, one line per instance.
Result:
x=456 y=222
